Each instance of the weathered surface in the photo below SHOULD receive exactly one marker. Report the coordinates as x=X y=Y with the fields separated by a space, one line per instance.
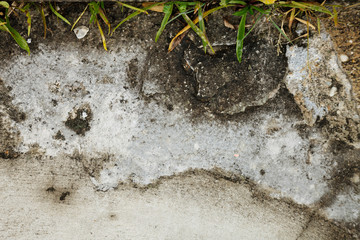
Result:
x=90 y=120
x=322 y=90
x=228 y=86
x=195 y=205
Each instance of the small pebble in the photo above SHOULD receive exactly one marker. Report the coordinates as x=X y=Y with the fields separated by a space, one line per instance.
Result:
x=81 y=32
x=355 y=178
x=28 y=40
x=333 y=91
x=344 y=58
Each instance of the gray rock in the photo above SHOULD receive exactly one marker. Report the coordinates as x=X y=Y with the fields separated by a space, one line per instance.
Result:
x=322 y=90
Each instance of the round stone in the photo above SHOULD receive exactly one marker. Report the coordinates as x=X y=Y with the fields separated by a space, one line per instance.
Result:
x=344 y=58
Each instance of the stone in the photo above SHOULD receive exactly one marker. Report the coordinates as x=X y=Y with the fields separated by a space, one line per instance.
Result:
x=81 y=31
x=344 y=58
x=322 y=90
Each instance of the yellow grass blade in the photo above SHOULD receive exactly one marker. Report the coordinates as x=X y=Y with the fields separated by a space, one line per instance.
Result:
x=102 y=34
x=79 y=18
x=205 y=14
x=307 y=23
x=292 y=17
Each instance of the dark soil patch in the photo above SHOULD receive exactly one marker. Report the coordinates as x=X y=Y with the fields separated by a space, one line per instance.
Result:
x=79 y=120
x=9 y=137
x=343 y=176
x=59 y=136
x=6 y=99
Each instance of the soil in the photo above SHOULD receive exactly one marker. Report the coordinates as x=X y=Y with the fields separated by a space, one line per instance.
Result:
x=8 y=135
x=346 y=36
x=79 y=120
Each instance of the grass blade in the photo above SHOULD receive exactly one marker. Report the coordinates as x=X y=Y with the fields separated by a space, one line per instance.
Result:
x=195 y=28
x=304 y=5
x=78 y=19
x=307 y=23
x=168 y=8
x=180 y=14
x=253 y=26
x=132 y=7
x=18 y=38
x=4 y=4
x=202 y=25
x=242 y=12
x=3 y=27
x=101 y=33
x=319 y=8
x=335 y=17
x=237 y=2
x=104 y=18
x=25 y=10
x=292 y=17
x=354 y=5
x=281 y=31
x=94 y=10
x=158 y=8
x=58 y=14
x=299 y=5
x=133 y=15
x=260 y=10
x=41 y=10
x=267 y=2
x=318 y=24
x=28 y=21
x=208 y=12
x=240 y=38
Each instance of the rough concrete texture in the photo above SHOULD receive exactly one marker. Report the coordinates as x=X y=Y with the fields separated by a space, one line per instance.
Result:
x=317 y=82
x=87 y=134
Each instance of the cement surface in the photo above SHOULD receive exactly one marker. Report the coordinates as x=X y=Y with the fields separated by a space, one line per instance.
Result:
x=87 y=134
x=195 y=205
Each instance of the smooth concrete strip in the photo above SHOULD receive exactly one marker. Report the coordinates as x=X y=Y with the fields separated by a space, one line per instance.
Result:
x=190 y=206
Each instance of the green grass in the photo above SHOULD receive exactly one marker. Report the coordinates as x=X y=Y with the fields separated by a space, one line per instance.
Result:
x=278 y=13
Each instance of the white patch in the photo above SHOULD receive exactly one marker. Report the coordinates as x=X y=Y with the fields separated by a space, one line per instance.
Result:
x=196 y=146
x=346 y=207
x=344 y=58
x=142 y=149
x=83 y=115
x=81 y=31
x=332 y=91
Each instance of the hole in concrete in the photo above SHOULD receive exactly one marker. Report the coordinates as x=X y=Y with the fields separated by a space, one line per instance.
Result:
x=79 y=120
x=170 y=107
x=54 y=102
x=59 y=136
x=51 y=189
x=9 y=153
x=64 y=195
